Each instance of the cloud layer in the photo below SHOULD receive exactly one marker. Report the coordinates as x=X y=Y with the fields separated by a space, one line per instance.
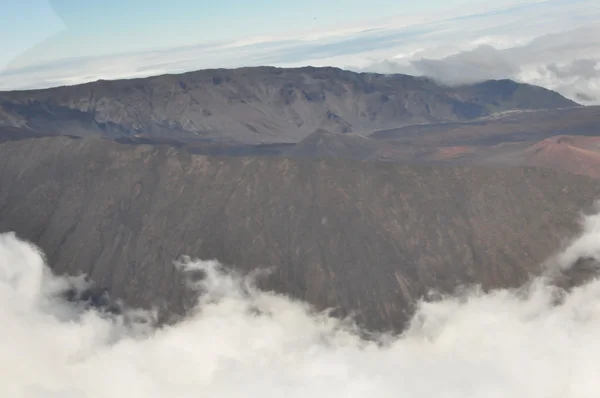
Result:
x=568 y=62
x=553 y=43
x=537 y=342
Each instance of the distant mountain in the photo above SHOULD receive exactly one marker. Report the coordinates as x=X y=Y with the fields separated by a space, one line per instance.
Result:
x=364 y=237
x=263 y=104
x=502 y=95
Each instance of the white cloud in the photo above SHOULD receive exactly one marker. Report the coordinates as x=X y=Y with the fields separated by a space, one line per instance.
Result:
x=568 y=62
x=541 y=42
x=575 y=72
x=240 y=341
x=585 y=246
x=481 y=63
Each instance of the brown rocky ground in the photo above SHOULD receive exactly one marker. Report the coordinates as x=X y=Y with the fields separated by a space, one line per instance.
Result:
x=368 y=237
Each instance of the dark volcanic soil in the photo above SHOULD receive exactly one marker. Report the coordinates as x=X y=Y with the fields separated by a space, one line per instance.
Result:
x=359 y=236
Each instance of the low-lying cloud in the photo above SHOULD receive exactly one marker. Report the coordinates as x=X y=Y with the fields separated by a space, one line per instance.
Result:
x=539 y=341
x=568 y=62
x=481 y=63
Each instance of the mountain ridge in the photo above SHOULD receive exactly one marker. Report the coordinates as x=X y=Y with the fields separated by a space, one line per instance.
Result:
x=261 y=104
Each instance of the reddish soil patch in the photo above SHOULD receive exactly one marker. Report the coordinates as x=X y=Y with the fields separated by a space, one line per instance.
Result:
x=576 y=154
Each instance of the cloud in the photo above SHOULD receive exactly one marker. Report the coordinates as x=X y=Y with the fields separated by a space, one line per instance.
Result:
x=579 y=68
x=585 y=246
x=539 y=341
x=482 y=63
x=553 y=43
x=568 y=62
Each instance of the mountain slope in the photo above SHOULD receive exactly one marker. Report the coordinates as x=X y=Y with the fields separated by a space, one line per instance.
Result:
x=250 y=105
x=510 y=127
x=324 y=144
x=565 y=139
x=367 y=237
x=580 y=155
x=500 y=95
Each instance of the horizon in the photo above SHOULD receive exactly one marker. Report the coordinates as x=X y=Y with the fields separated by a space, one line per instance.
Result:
x=249 y=67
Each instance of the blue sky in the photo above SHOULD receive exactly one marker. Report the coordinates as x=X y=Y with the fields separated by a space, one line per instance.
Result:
x=70 y=28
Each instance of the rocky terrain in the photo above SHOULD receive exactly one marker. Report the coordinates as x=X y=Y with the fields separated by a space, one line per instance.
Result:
x=565 y=139
x=325 y=144
x=576 y=154
x=315 y=113
x=264 y=104
x=510 y=127
x=363 y=237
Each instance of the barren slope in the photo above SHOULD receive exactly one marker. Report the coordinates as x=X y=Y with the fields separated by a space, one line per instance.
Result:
x=324 y=144
x=359 y=236
x=576 y=154
x=511 y=127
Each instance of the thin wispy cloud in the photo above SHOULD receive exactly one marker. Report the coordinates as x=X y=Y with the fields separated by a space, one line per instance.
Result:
x=554 y=43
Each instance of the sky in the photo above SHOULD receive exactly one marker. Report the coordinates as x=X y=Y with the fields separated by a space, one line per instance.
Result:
x=552 y=43
x=89 y=28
